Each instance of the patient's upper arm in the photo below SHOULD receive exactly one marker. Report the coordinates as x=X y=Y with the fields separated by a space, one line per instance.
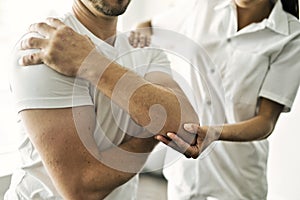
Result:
x=64 y=140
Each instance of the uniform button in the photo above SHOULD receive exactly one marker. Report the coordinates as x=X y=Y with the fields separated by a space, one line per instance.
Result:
x=208 y=102
x=228 y=40
x=212 y=70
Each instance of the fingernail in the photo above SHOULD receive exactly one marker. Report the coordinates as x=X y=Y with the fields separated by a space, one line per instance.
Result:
x=169 y=134
x=20 y=61
x=188 y=127
x=30 y=27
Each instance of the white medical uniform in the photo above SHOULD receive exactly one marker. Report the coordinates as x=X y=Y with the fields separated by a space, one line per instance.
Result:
x=39 y=87
x=261 y=60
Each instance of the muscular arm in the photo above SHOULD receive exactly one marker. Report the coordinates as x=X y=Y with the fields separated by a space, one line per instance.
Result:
x=61 y=137
x=167 y=104
x=155 y=101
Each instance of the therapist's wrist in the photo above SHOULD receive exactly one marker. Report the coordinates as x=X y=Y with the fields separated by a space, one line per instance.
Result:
x=213 y=133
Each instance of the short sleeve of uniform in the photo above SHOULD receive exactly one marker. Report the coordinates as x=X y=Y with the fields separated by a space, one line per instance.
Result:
x=39 y=87
x=282 y=80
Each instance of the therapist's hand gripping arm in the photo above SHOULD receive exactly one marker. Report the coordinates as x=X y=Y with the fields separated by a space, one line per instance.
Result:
x=256 y=128
x=159 y=104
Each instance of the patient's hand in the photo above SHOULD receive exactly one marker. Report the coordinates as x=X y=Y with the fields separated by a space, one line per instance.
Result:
x=61 y=48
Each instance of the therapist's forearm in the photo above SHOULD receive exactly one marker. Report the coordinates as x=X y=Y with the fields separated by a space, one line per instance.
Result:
x=256 y=128
x=138 y=96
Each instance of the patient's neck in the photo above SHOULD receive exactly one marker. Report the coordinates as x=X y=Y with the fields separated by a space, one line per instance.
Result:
x=102 y=26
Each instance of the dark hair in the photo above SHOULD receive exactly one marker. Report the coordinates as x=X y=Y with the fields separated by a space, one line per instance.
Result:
x=291 y=6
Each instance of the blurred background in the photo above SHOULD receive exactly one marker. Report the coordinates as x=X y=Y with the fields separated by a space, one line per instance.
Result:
x=16 y=16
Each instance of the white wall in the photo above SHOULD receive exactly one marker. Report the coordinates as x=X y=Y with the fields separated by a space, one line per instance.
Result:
x=284 y=159
x=140 y=10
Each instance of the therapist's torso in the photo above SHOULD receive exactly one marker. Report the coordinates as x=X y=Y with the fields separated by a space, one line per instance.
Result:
x=241 y=62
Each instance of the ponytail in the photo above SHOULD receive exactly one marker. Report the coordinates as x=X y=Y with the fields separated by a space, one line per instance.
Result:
x=291 y=6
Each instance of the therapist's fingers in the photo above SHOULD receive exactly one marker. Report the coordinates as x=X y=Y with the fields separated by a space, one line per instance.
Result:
x=134 y=38
x=192 y=128
x=139 y=39
x=148 y=40
x=144 y=40
x=190 y=151
x=168 y=142
x=33 y=43
x=178 y=141
x=42 y=28
x=162 y=139
x=130 y=38
x=31 y=59
x=179 y=145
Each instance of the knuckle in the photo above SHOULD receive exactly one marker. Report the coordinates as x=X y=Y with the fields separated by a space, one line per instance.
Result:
x=194 y=155
x=34 y=58
x=29 y=59
x=40 y=25
x=67 y=29
x=64 y=31
x=24 y=60
x=22 y=44
x=30 y=42
x=50 y=19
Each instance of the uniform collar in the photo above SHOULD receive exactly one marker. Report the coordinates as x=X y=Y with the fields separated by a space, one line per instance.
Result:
x=277 y=21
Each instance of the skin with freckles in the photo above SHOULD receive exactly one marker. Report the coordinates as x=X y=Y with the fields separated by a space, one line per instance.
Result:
x=157 y=99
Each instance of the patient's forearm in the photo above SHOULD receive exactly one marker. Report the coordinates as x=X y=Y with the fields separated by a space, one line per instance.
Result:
x=158 y=108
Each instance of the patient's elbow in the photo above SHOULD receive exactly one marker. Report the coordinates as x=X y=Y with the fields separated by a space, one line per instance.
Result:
x=81 y=192
x=80 y=186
